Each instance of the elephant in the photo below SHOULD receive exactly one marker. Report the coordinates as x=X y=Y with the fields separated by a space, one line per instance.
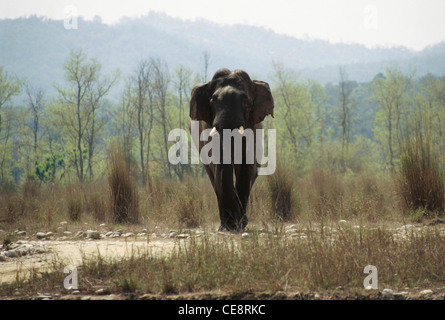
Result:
x=231 y=100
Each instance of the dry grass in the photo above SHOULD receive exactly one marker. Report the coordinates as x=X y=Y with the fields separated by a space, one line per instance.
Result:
x=192 y=203
x=421 y=182
x=317 y=259
x=323 y=254
x=124 y=193
x=280 y=187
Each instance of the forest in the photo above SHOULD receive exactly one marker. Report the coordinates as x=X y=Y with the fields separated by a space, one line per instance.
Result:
x=344 y=127
x=358 y=164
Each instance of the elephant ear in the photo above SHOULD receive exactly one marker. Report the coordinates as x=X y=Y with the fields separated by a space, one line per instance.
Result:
x=200 y=104
x=263 y=103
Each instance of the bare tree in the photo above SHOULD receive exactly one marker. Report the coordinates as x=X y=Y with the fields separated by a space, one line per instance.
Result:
x=36 y=108
x=78 y=105
x=345 y=112
x=161 y=80
x=390 y=92
x=206 y=57
x=96 y=93
x=9 y=87
x=183 y=86
x=140 y=94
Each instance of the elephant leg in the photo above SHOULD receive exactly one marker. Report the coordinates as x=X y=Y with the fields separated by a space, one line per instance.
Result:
x=229 y=204
x=245 y=177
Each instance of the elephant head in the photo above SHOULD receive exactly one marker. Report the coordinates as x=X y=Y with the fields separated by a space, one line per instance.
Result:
x=231 y=100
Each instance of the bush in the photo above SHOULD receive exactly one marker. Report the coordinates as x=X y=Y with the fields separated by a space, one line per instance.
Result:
x=326 y=194
x=421 y=183
x=124 y=195
x=280 y=187
x=190 y=204
x=74 y=205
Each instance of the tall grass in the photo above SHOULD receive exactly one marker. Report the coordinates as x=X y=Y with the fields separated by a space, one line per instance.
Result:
x=124 y=192
x=326 y=195
x=281 y=192
x=75 y=203
x=190 y=204
x=421 y=180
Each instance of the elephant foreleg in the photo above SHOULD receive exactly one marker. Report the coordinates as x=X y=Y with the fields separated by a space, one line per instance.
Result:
x=245 y=177
x=229 y=204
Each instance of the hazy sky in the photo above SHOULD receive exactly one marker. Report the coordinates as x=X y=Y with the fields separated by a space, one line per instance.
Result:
x=411 y=23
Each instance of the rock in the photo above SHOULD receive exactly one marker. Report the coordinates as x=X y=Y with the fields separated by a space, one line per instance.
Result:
x=93 y=234
x=388 y=294
x=120 y=231
x=426 y=292
x=44 y=296
x=342 y=221
x=2 y=257
x=183 y=236
x=102 y=292
x=67 y=233
x=400 y=295
x=102 y=225
x=172 y=234
x=49 y=234
x=41 y=235
x=81 y=234
x=11 y=253
x=13 y=245
x=245 y=235
x=144 y=231
x=68 y=297
x=63 y=223
x=86 y=298
x=23 y=251
x=128 y=234
x=39 y=249
x=21 y=233
x=407 y=226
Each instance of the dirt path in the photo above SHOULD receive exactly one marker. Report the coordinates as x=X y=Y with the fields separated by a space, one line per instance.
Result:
x=71 y=253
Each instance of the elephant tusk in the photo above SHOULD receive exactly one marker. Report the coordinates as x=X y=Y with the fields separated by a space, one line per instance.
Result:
x=241 y=130
x=213 y=132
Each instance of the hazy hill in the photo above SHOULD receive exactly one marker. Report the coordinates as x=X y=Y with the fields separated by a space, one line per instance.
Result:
x=37 y=48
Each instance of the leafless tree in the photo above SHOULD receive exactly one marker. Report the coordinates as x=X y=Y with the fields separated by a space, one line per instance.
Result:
x=161 y=80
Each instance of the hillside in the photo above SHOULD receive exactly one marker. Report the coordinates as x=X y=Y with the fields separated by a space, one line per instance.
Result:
x=36 y=48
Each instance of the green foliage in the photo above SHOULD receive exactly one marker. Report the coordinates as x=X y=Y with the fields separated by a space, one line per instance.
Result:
x=391 y=92
x=66 y=136
x=300 y=118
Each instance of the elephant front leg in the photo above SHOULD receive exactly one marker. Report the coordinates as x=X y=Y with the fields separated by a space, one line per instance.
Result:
x=245 y=177
x=229 y=204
